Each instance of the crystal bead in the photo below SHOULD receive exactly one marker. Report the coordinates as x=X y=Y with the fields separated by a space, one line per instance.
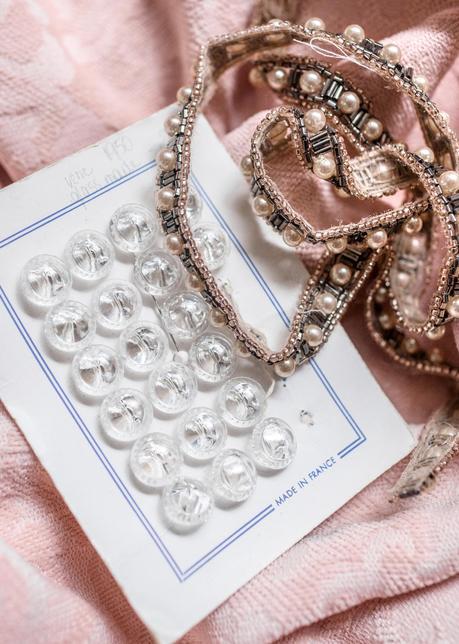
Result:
x=233 y=476
x=186 y=504
x=116 y=304
x=193 y=207
x=158 y=273
x=272 y=444
x=213 y=358
x=155 y=460
x=133 y=228
x=201 y=434
x=96 y=370
x=186 y=315
x=89 y=255
x=213 y=244
x=45 y=280
x=125 y=415
x=241 y=402
x=69 y=326
x=172 y=388
x=143 y=345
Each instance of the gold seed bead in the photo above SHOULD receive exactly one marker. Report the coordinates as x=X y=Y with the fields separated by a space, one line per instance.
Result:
x=314 y=120
x=449 y=182
x=292 y=236
x=311 y=82
x=421 y=82
x=453 y=306
x=315 y=24
x=372 y=129
x=165 y=198
x=313 y=335
x=354 y=33
x=218 y=318
x=348 y=102
x=174 y=244
x=436 y=333
x=377 y=238
x=340 y=274
x=426 y=154
x=261 y=206
x=285 y=368
x=246 y=165
x=391 y=53
x=166 y=159
x=413 y=225
x=326 y=302
x=172 y=125
x=336 y=245
x=184 y=95
x=324 y=167
x=277 y=78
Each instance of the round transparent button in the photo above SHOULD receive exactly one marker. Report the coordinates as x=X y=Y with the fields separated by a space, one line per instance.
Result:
x=45 y=280
x=69 y=326
x=213 y=244
x=213 y=358
x=125 y=415
x=158 y=273
x=133 y=228
x=193 y=207
x=201 y=434
x=241 y=402
x=233 y=476
x=186 y=315
x=172 y=388
x=155 y=460
x=272 y=444
x=116 y=304
x=186 y=504
x=96 y=370
x=89 y=255
x=143 y=345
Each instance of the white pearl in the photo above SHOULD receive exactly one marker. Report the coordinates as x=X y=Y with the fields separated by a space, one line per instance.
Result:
x=247 y=165
x=172 y=125
x=184 y=94
x=410 y=345
x=313 y=335
x=372 y=129
x=261 y=206
x=324 y=167
x=421 y=82
x=436 y=333
x=402 y=279
x=292 y=236
x=377 y=238
x=311 y=82
x=336 y=245
x=315 y=24
x=165 y=198
x=413 y=225
x=391 y=53
x=314 y=120
x=340 y=274
x=386 y=321
x=218 y=318
x=355 y=33
x=326 y=302
x=277 y=78
x=449 y=182
x=166 y=158
x=174 y=244
x=426 y=154
x=453 y=306
x=285 y=368
x=194 y=282
x=381 y=295
x=348 y=102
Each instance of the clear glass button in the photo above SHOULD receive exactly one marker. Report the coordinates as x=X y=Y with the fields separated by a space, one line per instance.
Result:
x=133 y=228
x=213 y=358
x=158 y=273
x=193 y=207
x=201 y=434
x=186 y=504
x=69 y=326
x=116 y=304
x=241 y=402
x=125 y=415
x=143 y=346
x=89 y=255
x=272 y=444
x=96 y=370
x=172 y=388
x=155 y=460
x=45 y=280
x=233 y=476
x=186 y=315
x=213 y=244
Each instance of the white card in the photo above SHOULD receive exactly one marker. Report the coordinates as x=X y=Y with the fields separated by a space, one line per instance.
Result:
x=173 y=581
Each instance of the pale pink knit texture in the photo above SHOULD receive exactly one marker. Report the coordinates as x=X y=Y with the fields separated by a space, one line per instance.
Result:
x=73 y=72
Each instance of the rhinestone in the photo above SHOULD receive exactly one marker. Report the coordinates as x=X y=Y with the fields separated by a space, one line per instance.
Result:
x=233 y=476
x=158 y=273
x=213 y=358
x=69 y=326
x=186 y=315
x=116 y=304
x=45 y=280
x=143 y=345
x=89 y=255
x=272 y=444
x=172 y=388
x=125 y=415
x=201 y=434
x=155 y=460
x=213 y=244
x=186 y=504
x=133 y=228
x=96 y=370
x=241 y=402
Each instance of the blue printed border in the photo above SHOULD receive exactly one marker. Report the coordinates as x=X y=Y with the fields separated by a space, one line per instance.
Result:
x=181 y=574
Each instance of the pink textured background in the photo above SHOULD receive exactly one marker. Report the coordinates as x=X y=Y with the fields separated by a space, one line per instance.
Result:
x=72 y=72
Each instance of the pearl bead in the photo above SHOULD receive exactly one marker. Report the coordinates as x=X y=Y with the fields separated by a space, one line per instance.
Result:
x=415 y=244
x=377 y=238
x=426 y=154
x=410 y=345
x=256 y=77
x=336 y=245
x=247 y=165
x=166 y=158
x=184 y=95
x=386 y=321
x=348 y=102
x=413 y=225
x=261 y=206
x=326 y=302
x=391 y=53
x=172 y=125
x=313 y=335
x=174 y=244
x=315 y=24
x=165 y=199
x=218 y=318
x=241 y=349
x=449 y=182
x=421 y=82
x=372 y=129
x=340 y=274
x=436 y=333
x=311 y=82
x=277 y=78
x=355 y=33
x=453 y=306
x=324 y=167
x=436 y=356
x=402 y=279
x=194 y=282
x=381 y=295
x=285 y=368
x=292 y=236
x=314 y=120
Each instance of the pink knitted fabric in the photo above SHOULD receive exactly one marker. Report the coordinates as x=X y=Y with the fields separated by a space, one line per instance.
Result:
x=71 y=74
